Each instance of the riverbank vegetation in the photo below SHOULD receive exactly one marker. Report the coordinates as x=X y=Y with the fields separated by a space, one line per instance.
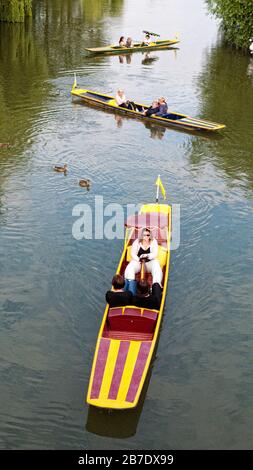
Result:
x=237 y=20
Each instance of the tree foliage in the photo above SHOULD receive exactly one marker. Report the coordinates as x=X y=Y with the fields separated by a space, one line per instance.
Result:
x=237 y=19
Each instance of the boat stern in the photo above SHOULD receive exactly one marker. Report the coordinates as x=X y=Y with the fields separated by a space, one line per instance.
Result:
x=118 y=373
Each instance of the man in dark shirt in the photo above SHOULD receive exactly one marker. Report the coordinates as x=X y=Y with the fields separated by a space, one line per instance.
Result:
x=117 y=297
x=144 y=298
x=153 y=109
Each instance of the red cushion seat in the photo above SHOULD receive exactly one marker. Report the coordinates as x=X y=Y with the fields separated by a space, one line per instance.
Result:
x=131 y=319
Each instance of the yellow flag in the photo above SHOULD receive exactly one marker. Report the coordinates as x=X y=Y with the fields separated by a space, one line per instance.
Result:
x=75 y=83
x=159 y=183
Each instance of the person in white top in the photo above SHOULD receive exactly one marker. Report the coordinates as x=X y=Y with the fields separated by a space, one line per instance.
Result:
x=120 y=98
x=143 y=249
x=147 y=40
x=121 y=101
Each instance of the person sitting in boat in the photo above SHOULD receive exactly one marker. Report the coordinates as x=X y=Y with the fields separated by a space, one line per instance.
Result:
x=129 y=42
x=145 y=249
x=122 y=42
x=146 y=299
x=118 y=297
x=153 y=109
x=163 y=107
x=147 y=40
x=121 y=101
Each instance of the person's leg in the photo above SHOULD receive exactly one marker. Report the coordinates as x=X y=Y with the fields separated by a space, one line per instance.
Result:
x=154 y=268
x=132 y=286
x=132 y=268
x=131 y=105
x=139 y=108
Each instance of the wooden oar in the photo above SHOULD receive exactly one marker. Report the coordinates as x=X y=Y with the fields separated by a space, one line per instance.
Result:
x=143 y=270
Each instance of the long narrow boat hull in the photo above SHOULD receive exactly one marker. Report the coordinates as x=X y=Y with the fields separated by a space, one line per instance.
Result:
x=177 y=120
x=137 y=47
x=127 y=337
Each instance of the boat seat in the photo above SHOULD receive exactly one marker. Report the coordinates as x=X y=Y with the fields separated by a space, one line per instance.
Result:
x=162 y=255
x=112 y=102
x=128 y=335
x=132 y=319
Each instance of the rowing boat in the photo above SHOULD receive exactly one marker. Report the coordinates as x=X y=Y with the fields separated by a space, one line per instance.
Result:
x=173 y=119
x=137 y=46
x=128 y=335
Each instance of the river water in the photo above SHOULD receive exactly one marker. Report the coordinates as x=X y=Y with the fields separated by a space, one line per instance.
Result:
x=199 y=392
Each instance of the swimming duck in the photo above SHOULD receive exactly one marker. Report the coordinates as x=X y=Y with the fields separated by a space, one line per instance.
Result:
x=61 y=169
x=85 y=183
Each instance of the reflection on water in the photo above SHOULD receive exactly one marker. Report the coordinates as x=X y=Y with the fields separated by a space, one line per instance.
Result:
x=119 y=120
x=149 y=58
x=24 y=71
x=62 y=12
x=127 y=59
x=156 y=132
x=226 y=97
x=250 y=68
x=119 y=424
x=73 y=25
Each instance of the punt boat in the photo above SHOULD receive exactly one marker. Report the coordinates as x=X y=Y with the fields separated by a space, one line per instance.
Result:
x=128 y=335
x=173 y=119
x=137 y=46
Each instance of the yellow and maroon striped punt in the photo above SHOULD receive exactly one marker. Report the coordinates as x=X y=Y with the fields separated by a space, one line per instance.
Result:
x=128 y=334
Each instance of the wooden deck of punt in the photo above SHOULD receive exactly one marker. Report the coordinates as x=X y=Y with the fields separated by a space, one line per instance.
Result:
x=128 y=335
x=174 y=119
x=115 y=49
